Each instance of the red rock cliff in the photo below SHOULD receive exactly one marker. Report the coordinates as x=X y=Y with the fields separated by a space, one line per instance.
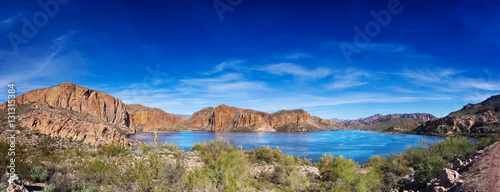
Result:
x=225 y=118
x=80 y=99
x=147 y=119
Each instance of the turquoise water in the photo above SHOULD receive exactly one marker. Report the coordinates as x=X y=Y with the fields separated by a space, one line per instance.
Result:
x=355 y=144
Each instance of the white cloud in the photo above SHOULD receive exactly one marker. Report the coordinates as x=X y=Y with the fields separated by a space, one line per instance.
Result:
x=436 y=75
x=478 y=84
x=348 y=78
x=296 y=71
x=233 y=64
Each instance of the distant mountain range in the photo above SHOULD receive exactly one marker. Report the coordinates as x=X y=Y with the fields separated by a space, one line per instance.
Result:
x=392 y=123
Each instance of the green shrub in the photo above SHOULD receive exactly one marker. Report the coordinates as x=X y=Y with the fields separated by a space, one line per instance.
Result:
x=225 y=164
x=264 y=154
x=114 y=149
x=486 y=141
x=39 y=174
x=50 y=188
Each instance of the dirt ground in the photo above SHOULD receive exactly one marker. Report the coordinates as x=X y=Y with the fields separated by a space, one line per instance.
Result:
x=484 y=175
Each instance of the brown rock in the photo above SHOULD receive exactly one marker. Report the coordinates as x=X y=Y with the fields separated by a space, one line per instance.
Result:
x=16 y=184
x=63 y=123
x=225 y=118
x=448 y=177
x=457 y=163
x=80 y=99
x=201 y=120
x=147 y=119
x=473 y=119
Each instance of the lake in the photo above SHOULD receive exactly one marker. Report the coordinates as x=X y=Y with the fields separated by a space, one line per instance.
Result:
x=355 y=144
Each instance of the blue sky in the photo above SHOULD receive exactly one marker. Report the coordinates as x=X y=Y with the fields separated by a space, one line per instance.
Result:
x=182 y=56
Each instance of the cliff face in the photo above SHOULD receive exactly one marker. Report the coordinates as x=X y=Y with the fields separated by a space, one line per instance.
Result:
x=71 y=111
x=147 y=119
x=64 y=123
x=225 y=118
x=80 y=99
x=472 y=119
x=201 y=120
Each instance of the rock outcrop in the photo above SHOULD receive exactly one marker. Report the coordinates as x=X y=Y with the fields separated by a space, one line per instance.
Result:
x=472 y=120
x=71 y=111
x=16 y=184
x=225 y=118
x=201 y=120
x=147 y=119
x=80 y=99
x=68 y=124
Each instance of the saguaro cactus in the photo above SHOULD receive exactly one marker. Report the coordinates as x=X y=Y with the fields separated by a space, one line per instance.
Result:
x=156 y=139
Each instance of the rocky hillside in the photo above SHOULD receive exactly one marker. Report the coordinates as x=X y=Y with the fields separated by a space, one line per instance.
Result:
x=80 y=99
x=225 y=118
x=71 y=111
x=392 y=122
x=147 y=119
x=473 y=120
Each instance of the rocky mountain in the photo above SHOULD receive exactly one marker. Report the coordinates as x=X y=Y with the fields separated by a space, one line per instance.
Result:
x=73 y=97
x=393 y=122
x=147 y=119
x=472 y=120
x=225 y=118
x=71 y=111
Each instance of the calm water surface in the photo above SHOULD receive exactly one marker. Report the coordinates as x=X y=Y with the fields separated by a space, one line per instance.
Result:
x=355 y=144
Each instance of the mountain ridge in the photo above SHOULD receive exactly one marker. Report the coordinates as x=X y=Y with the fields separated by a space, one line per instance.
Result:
x=472 y=120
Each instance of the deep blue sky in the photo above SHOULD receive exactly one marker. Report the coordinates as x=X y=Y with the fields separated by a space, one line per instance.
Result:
x=180 y=56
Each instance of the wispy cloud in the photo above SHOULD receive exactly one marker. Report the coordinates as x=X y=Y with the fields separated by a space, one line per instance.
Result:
x=232 y=64
x=295 y=70
x=430 y=75
x=478 y=84
x=348 y=78
x=297 y=55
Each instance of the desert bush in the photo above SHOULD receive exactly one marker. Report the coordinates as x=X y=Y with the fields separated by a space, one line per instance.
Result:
x=225 y=164
x=486 y=141
x=263 y=154
x=95 y=171
x=453 y=147
x=114 y=149
x=50 y=188
x=39 y=174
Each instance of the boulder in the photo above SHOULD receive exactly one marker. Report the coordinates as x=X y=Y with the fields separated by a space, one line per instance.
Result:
x=16 y=184
x=457 y=163
x=448 y=177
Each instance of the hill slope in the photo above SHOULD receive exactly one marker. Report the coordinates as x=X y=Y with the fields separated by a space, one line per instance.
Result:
x=472 y=120
x=71 y=111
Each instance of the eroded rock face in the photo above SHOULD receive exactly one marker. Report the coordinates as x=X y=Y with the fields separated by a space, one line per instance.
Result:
x=80 y=99
x=147 y=119
x=67 y=124
x=201 y=120
x=225 y=118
